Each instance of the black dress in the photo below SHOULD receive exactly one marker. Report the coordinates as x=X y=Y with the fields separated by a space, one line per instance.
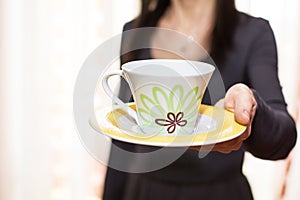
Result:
x=253 y=61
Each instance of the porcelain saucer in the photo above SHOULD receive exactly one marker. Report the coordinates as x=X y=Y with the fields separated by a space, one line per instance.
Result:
x=215 y=125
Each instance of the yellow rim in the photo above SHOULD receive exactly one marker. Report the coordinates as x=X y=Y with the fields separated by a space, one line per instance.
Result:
x=226 y=129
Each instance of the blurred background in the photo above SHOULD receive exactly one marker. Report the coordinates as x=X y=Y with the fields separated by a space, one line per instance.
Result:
x=43 y=44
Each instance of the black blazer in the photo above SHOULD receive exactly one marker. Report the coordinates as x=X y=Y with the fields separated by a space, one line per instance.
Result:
x=252 y=60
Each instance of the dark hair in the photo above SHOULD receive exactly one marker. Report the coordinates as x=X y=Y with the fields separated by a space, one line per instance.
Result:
x=226 y=20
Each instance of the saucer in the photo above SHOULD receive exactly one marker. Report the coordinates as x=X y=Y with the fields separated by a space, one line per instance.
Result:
x=215 y=125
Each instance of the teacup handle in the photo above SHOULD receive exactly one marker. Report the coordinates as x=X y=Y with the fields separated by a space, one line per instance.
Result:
x=116 y=99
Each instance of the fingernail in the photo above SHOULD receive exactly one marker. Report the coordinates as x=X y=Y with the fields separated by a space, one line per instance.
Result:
x=229 y=104
x=246 y=114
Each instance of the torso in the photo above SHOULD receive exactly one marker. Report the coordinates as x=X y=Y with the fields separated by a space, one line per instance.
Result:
x=215 y=164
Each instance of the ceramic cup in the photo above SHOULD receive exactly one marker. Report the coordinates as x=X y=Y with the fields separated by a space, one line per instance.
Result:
x=167 y=93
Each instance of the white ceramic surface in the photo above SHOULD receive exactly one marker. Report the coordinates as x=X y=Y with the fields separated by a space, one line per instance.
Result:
x=167 y=93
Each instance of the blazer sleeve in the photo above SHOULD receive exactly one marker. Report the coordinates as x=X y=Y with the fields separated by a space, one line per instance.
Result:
x=273 y=132
x=115 y=180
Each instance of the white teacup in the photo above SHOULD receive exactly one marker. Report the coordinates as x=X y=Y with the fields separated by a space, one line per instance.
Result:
x=167 y=93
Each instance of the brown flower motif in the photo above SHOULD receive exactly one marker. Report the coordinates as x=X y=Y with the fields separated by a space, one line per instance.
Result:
x=172 y=121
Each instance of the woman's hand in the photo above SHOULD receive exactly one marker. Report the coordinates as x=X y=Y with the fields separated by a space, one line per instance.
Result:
x=240 y=100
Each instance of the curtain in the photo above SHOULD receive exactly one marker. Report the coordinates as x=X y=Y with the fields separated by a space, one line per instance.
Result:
x=43 y=45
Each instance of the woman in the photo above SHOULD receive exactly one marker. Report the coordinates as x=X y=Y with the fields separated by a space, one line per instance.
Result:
x=244 y=49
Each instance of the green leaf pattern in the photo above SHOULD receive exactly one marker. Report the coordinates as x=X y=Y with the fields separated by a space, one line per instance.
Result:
x=175 y=101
